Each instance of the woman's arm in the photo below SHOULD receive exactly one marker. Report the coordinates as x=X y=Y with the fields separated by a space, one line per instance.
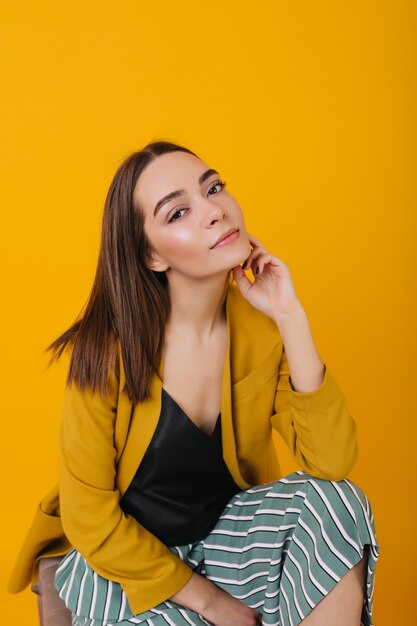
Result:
x=306 y=366
x=215 y=604
x=311 y=412
x=314 y=421
x=114 y=544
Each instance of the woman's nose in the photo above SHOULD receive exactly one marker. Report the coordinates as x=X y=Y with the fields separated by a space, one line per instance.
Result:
x=215 y=212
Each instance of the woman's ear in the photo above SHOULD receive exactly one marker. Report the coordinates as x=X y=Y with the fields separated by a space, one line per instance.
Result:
x=154 y=263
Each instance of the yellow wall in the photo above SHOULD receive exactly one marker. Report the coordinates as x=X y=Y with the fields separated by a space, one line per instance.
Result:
x=309 y=109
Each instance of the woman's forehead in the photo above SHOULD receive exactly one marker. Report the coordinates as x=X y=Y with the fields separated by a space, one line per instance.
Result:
x=166 y=174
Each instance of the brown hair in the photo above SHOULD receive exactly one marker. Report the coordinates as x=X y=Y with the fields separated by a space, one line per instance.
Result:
x=128 y=302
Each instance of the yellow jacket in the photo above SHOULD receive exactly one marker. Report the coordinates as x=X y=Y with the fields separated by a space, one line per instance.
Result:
x=103 y=439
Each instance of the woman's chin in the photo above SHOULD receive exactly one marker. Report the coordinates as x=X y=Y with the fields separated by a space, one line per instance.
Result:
x=247 y=249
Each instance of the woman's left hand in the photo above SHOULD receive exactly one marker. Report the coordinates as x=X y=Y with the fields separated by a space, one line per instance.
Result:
x=272 y=291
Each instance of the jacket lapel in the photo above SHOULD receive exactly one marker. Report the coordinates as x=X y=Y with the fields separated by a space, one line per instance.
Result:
x=228 y=433
x=144 y=420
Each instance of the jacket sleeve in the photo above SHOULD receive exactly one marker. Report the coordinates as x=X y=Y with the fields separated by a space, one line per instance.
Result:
x=316 y=425
x=114 y=544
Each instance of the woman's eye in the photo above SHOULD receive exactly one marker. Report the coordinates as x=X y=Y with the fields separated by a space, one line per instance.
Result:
x=171 y=219
x=219 y=183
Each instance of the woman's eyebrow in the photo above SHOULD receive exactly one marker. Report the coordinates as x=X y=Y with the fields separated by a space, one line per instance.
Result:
x=178 y=192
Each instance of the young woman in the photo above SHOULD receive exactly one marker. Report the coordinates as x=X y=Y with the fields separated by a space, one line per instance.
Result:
x=171 y=507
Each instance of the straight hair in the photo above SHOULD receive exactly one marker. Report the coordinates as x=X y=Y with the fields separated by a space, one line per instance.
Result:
x=128 y=305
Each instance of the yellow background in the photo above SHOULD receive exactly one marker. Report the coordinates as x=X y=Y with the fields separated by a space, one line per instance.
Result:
x=309 y=111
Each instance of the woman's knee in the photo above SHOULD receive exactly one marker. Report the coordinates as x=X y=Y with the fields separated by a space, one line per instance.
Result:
x=348 y=491
x=348 y=496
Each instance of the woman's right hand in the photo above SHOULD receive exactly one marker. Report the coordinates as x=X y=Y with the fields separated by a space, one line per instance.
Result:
x=214 y=604
x=226 y=610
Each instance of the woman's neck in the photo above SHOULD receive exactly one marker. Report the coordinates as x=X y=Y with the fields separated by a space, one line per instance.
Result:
x=197 y=307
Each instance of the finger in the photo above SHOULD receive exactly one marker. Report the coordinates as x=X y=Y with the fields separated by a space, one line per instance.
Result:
x=271 y=260
x=258 y=258
x=255 y=252
x=241 y=279
x=253 y=255
x=254 y=240
x=263 y=260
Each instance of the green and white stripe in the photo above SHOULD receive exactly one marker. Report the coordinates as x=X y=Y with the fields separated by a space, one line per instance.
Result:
x=278 y=547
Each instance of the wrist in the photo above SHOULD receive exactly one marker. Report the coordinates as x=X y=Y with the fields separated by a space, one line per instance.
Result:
x=197 y=594
x=206 y=595
x=295 y=314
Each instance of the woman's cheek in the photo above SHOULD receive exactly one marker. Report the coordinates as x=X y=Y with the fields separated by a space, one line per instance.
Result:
x=181 y=246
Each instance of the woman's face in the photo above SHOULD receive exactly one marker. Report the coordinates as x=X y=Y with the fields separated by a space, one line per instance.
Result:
x=183 y=228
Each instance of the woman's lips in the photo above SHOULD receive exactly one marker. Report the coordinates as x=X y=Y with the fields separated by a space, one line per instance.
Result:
x=227 y=240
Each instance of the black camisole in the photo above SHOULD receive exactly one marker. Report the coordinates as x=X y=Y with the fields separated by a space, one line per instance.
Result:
x=182 y=483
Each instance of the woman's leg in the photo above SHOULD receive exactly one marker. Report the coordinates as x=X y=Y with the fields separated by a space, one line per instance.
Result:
x=344 y=603
x=282 y=548
x=94 y=601
x=285 y=546
x=52 y=610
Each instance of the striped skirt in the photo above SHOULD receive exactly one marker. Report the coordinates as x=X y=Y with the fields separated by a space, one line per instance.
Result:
x=279 y=547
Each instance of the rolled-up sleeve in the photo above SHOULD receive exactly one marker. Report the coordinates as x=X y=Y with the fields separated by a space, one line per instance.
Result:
x=316 y=425
x=114 y=544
